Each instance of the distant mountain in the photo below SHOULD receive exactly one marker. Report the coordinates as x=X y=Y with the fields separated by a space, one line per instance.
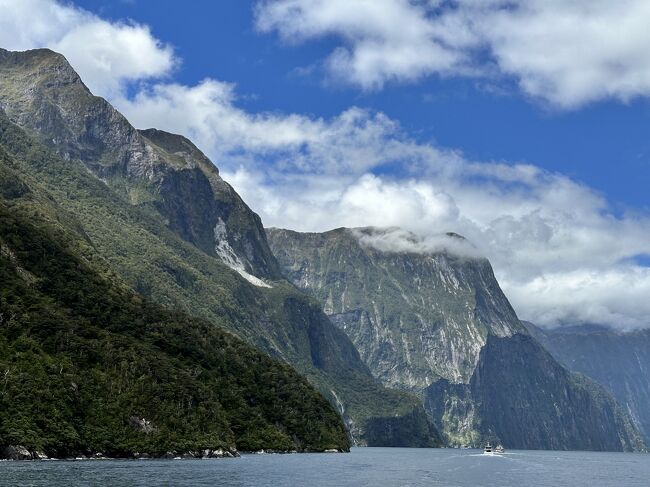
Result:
x=436 y=322
x=89 y=367
x=155 y=208
x=619 y=361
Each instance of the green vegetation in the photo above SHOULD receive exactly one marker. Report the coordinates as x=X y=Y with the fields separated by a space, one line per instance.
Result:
x=149 y=202
x=87 y=365
x=166 y=269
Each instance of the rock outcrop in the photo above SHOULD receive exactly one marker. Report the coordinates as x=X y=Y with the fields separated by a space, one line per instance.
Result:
x=17 y=452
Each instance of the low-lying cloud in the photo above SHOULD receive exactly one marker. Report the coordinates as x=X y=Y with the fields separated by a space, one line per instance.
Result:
x=399 y=240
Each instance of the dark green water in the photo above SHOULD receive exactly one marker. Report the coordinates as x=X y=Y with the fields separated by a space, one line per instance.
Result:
x=362 y=467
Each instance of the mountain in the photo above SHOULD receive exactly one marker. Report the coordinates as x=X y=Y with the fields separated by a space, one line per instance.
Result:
x=415 y=318
x=520 y=396
x=618 y=360
x=42 y=93
x=157 y=211
x=89 y=367
x=430 y=317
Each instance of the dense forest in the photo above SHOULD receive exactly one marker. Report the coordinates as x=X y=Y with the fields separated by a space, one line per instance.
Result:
x=88 y=366
x=149 y=202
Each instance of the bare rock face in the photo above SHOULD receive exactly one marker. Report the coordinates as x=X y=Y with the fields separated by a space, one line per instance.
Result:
x=142 y=425
x=415 y=318
x=519 y=396
x=617 y=360
x=435 y=321
x=16 y=452
x=42 y=93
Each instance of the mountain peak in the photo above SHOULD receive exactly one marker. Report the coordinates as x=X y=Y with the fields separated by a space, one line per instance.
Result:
x=42 y=66
x=41 y=92
x=182 y=146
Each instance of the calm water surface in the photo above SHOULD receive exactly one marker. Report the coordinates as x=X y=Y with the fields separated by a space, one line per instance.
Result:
x=362 y=467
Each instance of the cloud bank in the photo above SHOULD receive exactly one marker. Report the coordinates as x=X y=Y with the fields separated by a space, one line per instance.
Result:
x=559 y=250
x=108 y=55
x=565 y=52
x=399 y=240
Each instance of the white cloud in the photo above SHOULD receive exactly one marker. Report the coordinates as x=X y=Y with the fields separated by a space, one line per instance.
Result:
x=587 y=295
x=396 y=239
x=207 y=114
x=385 y=40
x=565 y=52
x=557 y=248
x=573 y=52
x=107 y=55
x=544 y=233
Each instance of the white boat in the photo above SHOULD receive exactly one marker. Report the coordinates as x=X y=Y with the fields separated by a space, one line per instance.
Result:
x=490 y=450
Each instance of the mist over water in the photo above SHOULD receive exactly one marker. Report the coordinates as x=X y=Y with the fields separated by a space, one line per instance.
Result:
x=362 y=467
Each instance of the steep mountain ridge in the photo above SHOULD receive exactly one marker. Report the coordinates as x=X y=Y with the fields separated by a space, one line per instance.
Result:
x=42 y=93
x=90 y=368
x=617 y=360
x=128 y=214
x=433 y=319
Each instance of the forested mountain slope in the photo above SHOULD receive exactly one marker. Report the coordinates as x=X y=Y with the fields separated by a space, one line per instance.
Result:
x=88 y=366
x=158 y=212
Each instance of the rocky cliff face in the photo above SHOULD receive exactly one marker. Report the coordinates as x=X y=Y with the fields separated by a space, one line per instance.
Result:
x=436 y=322
x=42 y=93
x=415 y=317
x=155 y=208
x=619 y=361
x=519 y=396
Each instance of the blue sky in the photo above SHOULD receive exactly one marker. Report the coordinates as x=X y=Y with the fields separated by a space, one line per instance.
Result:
x=520 y=124
x=605 y=144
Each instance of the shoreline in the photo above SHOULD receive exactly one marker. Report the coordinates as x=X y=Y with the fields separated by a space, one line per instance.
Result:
x=22 y=454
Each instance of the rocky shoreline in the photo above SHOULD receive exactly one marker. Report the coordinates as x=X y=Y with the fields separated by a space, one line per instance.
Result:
x=20 y=453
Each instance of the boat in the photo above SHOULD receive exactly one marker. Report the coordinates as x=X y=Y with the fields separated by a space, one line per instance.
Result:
x=491 y=450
